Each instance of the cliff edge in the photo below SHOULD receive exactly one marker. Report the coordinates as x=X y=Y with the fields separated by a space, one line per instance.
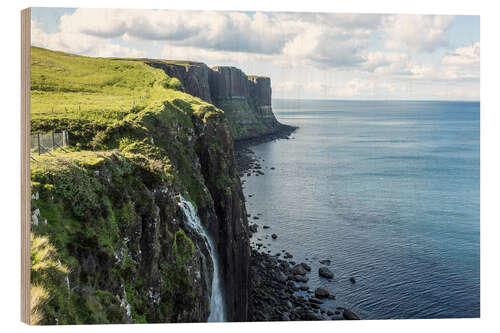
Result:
x=246 y=100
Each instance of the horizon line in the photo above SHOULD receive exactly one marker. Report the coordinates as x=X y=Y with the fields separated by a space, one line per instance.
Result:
x=377 y=100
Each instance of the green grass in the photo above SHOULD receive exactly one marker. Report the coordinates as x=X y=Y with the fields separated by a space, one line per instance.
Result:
x=103 y=90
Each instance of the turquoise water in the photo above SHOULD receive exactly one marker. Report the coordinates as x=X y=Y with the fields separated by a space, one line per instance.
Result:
x=389 y=192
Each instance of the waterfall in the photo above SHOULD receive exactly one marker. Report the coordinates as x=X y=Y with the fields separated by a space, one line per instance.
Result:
x=193 y=221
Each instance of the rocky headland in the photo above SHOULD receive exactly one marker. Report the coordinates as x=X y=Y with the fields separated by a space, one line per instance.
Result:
x=143 y=212
x=246 y=100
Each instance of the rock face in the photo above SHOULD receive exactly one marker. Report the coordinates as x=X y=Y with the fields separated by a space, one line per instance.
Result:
x=246 y=100
x=260 y=90
x=228 y=222
x=229 y=83
x=194 y=76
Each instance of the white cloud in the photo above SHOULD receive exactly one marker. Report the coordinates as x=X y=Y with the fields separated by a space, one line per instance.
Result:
x=468 y=55
x=324 y=40
x=80 y=43
x=172 y=51
x=357 y=87
x=387 y=63
x=416 y=32
x=225 y=31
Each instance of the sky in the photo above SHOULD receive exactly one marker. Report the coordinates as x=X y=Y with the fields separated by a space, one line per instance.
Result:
x=306 y=55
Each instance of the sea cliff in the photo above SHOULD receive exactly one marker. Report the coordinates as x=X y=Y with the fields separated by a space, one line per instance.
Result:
x=246 y=100
x=110 y=239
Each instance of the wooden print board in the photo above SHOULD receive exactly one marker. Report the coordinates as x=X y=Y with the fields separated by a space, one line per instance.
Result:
x=194 y=166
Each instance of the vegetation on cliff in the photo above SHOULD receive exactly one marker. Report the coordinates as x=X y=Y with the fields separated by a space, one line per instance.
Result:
x=106 y=206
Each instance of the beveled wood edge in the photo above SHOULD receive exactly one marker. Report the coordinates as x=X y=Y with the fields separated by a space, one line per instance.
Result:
x=25 y=164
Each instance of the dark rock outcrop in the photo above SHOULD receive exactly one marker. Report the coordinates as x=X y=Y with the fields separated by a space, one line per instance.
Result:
x=194 y=76
x=246 y=100
x=230 y=230
x=229 y=83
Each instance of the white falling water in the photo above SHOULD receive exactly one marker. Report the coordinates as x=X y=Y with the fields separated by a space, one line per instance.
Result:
x=193 y=221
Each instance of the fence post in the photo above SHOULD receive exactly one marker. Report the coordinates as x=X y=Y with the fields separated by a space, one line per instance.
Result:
x=38 y=137
x=53 y=141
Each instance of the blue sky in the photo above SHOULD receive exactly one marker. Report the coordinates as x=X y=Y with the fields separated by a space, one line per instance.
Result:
x=307 y=55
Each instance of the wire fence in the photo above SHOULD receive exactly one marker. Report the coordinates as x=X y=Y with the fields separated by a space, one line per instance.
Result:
x=42 y=143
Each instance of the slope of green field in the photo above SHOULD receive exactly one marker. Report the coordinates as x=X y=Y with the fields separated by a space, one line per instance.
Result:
x=67 y=86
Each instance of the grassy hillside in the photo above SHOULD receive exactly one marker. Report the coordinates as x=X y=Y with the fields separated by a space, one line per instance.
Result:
x=98 y=89
x=106 y=205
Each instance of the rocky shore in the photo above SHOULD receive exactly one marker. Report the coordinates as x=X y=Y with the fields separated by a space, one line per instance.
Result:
x=279 y=288
x=273 y=286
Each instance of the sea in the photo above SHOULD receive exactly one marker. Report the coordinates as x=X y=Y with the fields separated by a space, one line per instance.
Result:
x=388 y=191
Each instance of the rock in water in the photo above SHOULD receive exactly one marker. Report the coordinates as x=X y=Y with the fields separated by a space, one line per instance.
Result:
x=321 y=292
x=306 y=266
x=325 y=272
x=325 y=262
x=253 y=228
x=299 y=270
x=315 y=300
x=349 y=315
x=352 y=279
x=301 y=278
